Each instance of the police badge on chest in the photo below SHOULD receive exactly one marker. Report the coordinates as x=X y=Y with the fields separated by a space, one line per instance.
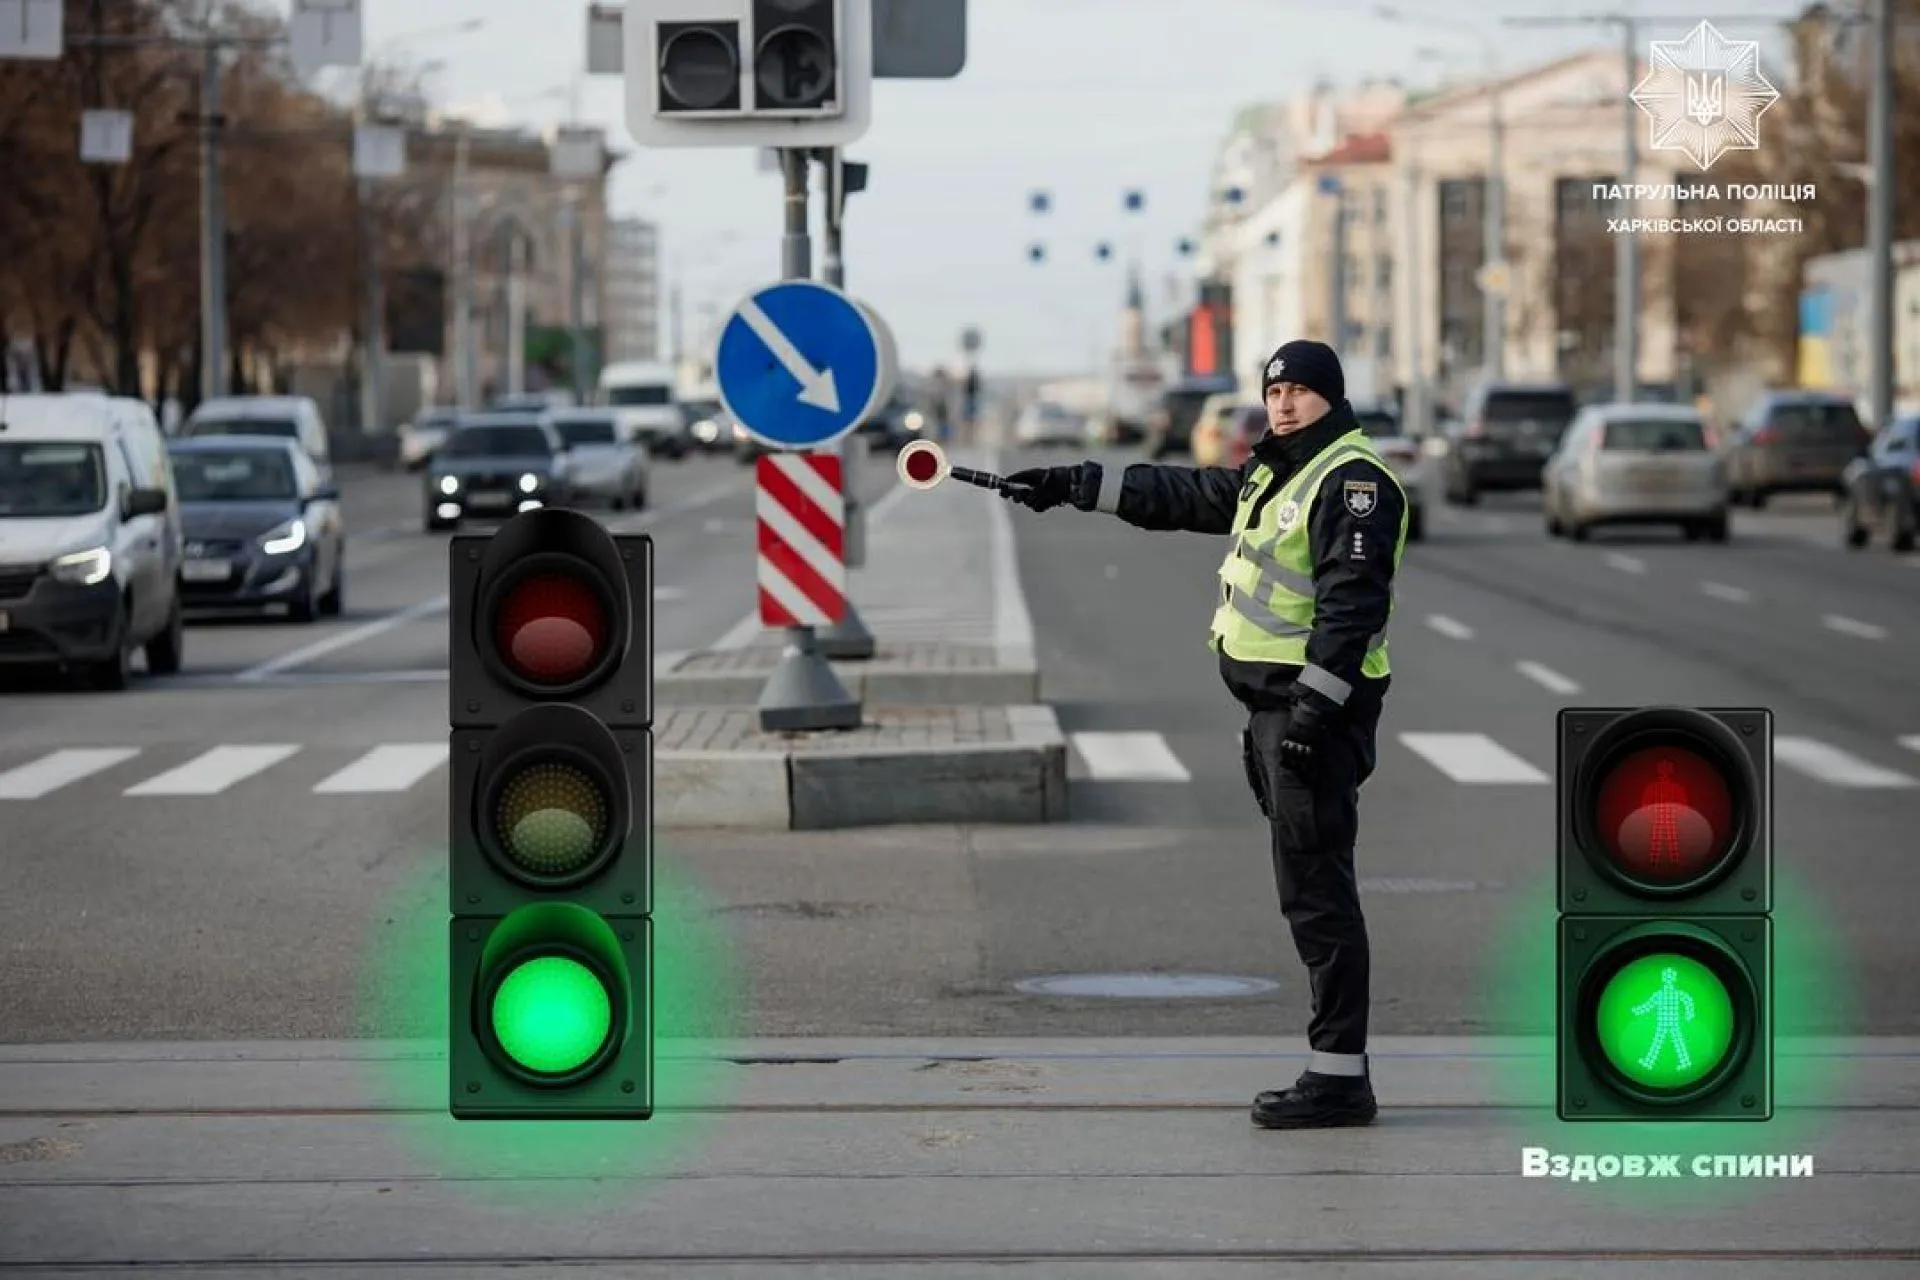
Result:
x=1361 y=496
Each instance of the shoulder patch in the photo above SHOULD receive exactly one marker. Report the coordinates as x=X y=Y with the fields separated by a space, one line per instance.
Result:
x=1361 y=497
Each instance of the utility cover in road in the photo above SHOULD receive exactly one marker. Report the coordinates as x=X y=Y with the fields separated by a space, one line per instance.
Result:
x=800 y=364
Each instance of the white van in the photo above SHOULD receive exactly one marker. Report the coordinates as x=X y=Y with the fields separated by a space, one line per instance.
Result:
x=285 y=417
x=89 y=540
x=650 y=411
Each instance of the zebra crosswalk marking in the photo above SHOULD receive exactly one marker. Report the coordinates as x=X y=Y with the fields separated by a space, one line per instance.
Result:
x=386 y=769
x=1472 y=758
x=1827 y=763
x=50 y=773
x=212 y=772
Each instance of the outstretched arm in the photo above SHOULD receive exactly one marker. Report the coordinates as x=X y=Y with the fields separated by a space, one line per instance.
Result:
x=1148 y=495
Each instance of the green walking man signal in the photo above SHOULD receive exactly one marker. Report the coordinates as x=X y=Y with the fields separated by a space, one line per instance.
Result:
x=1665 y=946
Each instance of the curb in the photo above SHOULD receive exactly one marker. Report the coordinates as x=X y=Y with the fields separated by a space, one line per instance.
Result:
x=1024 y=781
x=1007 y=685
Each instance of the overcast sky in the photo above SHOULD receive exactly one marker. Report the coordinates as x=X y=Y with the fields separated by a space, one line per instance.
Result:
x=1084 y=99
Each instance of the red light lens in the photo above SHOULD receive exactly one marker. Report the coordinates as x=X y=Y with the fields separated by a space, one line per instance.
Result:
x=922 y=466
x=552 y=629
x=1665 y=815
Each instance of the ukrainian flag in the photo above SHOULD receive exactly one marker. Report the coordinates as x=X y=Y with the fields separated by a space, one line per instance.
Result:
x=1816 y=340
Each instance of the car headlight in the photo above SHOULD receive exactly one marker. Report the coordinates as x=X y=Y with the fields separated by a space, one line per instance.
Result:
x=529 y=482
x=916 y=420
x=449 y=485
x=84 y=568
x=284 y=539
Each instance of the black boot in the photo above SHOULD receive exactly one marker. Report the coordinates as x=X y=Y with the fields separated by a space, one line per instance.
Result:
x=1317 y=1102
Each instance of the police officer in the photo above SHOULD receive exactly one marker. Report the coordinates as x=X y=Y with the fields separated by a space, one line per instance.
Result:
x=1318 y=524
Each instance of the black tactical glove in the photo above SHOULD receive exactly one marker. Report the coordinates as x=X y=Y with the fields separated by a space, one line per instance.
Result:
x=1044 y=488
x=1306 y=730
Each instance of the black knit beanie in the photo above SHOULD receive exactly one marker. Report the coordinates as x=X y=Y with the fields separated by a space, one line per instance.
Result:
x=1309 y=364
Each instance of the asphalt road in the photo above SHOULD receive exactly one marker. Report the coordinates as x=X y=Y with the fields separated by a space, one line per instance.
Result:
x=137 y=902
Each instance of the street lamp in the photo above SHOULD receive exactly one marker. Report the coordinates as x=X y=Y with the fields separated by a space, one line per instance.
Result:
x=1493 y=223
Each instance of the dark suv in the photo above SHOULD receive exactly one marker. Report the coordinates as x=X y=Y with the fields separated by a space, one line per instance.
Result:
x=1505 y=434
x=1794 y=442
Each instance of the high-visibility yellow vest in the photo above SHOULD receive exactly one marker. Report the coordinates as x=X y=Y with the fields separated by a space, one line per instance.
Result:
x=1266 y=598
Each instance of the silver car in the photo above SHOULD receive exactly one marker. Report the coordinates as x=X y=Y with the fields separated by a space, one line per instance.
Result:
x=602 y=464
x=1635 y=464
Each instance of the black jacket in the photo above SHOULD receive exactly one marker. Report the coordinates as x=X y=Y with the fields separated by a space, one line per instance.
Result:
x=1352 y=544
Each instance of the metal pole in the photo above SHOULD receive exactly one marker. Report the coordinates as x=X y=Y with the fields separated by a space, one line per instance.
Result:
x=1337 y=281
x=803 y=693
x=1880 y=197
x=848 y=639
x=577 y=299
x=1493 y=302
x=516 y=309
x=1626 y=284
x=213 y=233
x=373 y=340
x=464 y=367
x=1414 y=328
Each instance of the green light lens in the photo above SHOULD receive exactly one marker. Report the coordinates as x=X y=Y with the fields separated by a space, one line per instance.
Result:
x=552 y=819
x=552 y=1015
x=1665 y=1021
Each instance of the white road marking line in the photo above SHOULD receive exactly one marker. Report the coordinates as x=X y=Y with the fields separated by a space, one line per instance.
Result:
x=1012 y=623
x=1547 y=678
x=1853 y=627
x=346 y=639
x=51 y=772
x=212 y=772
x=1626 y=564
x=1827 y=763
x=1448 y=627
x=1472 y=758
x=1911 y=742
x=1129 y=757
x=669 y=593
x=389 y=768
x=1721 y=591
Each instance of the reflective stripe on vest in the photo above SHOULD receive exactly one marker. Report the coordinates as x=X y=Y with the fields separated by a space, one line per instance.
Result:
x=1266 y=611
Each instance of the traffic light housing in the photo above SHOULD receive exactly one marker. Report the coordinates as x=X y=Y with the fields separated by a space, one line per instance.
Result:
x=768 y=73
x=551 y=848
x=1665 y=946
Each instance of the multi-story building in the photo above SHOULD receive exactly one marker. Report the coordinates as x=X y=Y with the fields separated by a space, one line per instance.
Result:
x=1349 y=260
x=632 y=284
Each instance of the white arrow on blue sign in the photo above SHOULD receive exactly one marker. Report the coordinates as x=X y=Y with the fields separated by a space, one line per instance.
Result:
x=799 y=365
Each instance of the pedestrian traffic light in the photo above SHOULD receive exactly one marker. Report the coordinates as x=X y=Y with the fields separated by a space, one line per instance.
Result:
x=551 y=849
x=1665 y=951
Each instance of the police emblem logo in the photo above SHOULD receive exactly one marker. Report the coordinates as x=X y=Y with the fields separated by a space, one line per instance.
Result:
x=1362 y=496
x=1275 y=369
x=1289 y=513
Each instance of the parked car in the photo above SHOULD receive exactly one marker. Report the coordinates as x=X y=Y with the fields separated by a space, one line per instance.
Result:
x=1409 y=462
x=286 y=417
x=1636 y=464
x=1794 y=442
x=603 y=465
x=1504 y=435
x=89 y=541
x=1170 y=426
x=1213 y=430
x=495 y=465
x=426 y=433
x=264 y=531
x=1882 y=489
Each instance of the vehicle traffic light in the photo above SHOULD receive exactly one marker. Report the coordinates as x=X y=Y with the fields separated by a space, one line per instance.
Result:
x=780 y=73
x=551 y=851
x=1665 y=950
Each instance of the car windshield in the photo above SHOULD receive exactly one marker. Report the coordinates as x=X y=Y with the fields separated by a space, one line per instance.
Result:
x=51 y=479
x=499 y=441
x=283 y=428
x=1654 y=435
x=249 y=475
x=641 y=394
x=579 y=431
x=1816 y=423
x=1510 y=409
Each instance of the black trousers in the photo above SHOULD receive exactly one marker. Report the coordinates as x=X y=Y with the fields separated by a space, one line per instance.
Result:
x=1314 y=813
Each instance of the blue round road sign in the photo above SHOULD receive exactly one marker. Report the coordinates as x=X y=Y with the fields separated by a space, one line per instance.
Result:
x=799 y=365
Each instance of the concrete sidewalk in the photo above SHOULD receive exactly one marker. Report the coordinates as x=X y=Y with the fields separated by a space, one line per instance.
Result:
x=927 y=1158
